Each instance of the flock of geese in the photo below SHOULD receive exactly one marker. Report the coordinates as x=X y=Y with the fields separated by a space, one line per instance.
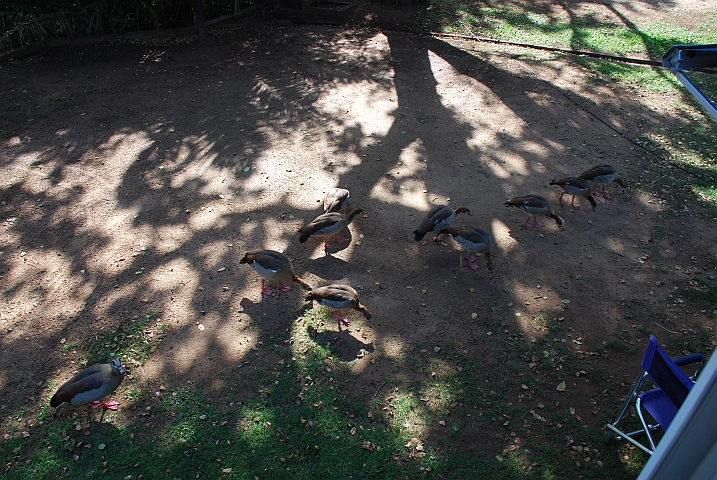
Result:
x=95 y=383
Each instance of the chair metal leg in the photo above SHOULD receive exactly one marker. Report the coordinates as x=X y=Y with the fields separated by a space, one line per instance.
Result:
x=633 y=392
x=625 y=436
x=638 y=406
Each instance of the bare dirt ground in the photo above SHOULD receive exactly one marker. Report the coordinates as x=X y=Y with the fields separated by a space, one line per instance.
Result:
x=138 y=174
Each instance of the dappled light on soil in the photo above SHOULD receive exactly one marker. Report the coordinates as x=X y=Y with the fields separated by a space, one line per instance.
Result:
x=127 y=212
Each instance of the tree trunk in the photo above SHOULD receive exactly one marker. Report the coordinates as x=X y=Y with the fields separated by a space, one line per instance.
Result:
x=199 y=19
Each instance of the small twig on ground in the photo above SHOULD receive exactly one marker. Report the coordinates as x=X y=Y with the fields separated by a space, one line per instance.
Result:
x=243 y=364
x=506 y=341
x=379 y=389
x=666 y=329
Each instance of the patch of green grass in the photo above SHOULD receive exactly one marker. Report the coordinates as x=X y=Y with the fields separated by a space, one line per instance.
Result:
x=300 y=419
x=616 y=345
x=643 y=330
x=701 y=291
x=706 y=193
x=67 y=347
x=699 y=341
x=524 y=22
x=133 y=342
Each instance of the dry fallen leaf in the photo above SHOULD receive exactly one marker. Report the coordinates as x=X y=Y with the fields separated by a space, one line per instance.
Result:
x=368 y=446
x=561 y=387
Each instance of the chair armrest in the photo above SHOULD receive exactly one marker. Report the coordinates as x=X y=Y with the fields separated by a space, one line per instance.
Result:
x=691 y=358
x=687 y=359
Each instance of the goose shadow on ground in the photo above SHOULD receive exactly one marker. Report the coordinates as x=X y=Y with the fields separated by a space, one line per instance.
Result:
x=341 y=343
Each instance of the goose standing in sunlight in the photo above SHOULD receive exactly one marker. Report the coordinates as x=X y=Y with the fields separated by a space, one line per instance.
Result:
x=438 y=217
x=574 y=186
x=272 y=265
x=534 y=205
x=339 y=297
x=603 y=174
x=326 y=225
x=92 y=385
x=474 y=240
x=337 y=199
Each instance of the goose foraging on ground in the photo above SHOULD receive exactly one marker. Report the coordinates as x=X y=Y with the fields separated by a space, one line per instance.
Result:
x=574 y=186
x=336 y=200
x=474 y=240
x=534 y=205
x=272 y=265
x=603 y=174
x=326 y=225
x=438 y=217
x=91 y=386
x=339 y=297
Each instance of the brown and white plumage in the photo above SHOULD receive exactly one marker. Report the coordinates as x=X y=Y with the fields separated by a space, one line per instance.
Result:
x=602 y=174
x=574 y=186
x=339 y=297
x=272 y=265
x=326 y=225
x=438 y=217
x=534 y=205
x=474 y=240
x=336 y=200
x=92 y=385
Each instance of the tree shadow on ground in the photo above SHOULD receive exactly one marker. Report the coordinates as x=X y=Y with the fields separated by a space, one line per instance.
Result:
x=148 y=207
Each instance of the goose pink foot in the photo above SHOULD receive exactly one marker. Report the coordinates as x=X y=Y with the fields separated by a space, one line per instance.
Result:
x=471 y=261
x=110 y=405
x=341 y=320
x=284 y=288
x=264 y=290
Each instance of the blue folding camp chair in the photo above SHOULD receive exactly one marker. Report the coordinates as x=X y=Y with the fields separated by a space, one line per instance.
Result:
x=662 y=402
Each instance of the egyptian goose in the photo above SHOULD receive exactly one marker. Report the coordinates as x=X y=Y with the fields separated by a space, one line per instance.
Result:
x=272 y=265
x=535 y=205
x=438 y=217
x=339 y=297
x=574 y=186
x=474 y=240
x=326 y=225
x=336 y=200
x=92 y=385
x=603 y=174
